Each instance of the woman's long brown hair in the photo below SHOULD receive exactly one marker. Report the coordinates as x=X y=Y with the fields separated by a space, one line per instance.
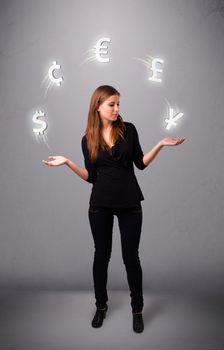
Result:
x=94 y=124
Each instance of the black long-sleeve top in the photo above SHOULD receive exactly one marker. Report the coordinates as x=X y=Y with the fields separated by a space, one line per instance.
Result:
x=112 y=175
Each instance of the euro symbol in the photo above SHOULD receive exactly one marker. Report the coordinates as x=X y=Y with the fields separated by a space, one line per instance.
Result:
x=172 y=119
x=43 y=124
x=101 y=49
x=156 y=70
x=51 y=70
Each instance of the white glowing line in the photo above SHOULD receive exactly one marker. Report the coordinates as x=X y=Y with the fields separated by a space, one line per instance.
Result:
x=37 y=138
x=51 y=70
x=99 y=50
x=91 y=54
x=89 y=59
x=45 y=141
x=49 y=86
x=43 y=138
x=169 y=105
x=145 y=63
x=172 y=119
x=45 y=79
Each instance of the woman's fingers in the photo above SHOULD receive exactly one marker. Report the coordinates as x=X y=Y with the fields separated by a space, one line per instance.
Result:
x=49 y=162
x=173 y=141
x=46 y=162
x=180 y=140
x=55 y=160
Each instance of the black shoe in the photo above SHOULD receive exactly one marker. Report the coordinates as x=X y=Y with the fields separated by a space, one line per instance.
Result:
x=99 y=317
x=138 y=324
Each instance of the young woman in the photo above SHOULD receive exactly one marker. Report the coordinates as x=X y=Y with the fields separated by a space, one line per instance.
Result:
x=110 y=146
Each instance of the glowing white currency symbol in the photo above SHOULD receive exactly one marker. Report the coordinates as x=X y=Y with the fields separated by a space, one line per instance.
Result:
x=51 y=70
x=41 y=122
x=156 y=70
x=172 y=119
x=99 y=50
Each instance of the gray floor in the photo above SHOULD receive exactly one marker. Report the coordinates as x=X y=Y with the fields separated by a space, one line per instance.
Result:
x=62 y=320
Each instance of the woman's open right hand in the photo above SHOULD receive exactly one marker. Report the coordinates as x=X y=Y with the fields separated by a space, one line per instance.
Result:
x=55 y=161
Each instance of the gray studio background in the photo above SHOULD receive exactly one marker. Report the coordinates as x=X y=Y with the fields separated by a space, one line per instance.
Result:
x=45 y=239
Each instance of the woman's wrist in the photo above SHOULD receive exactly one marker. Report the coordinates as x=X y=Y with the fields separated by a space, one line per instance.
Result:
x=160 y=144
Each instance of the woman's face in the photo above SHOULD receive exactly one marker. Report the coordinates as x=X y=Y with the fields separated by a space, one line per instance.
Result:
x=109 y=109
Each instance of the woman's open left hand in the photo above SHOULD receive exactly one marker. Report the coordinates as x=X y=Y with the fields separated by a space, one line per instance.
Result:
x=172 y=141
x=55 y=161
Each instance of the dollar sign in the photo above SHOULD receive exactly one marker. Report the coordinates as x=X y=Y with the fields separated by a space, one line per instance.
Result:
x=100 y=50
x=51 y=70
x=40 y=122
x=156 y=70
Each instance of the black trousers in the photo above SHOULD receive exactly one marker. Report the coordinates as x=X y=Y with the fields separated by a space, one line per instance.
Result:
x=130 y=224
